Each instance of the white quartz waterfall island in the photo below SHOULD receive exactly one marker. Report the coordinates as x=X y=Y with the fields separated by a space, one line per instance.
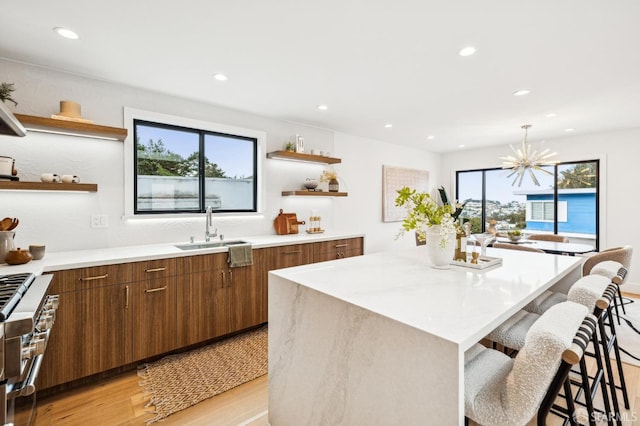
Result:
x=380 y=339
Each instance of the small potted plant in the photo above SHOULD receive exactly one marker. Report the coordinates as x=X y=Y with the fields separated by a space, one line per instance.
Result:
x=514 y=234
x=5 y=93
x=290 y=147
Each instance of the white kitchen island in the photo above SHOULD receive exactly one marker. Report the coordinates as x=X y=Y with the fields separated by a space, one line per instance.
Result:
x=380 y=339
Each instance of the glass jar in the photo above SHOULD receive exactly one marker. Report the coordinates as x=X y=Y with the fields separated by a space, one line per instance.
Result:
x=334 y=186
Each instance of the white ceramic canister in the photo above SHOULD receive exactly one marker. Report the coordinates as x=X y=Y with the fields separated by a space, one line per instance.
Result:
x=6 y=166
x=6 y=243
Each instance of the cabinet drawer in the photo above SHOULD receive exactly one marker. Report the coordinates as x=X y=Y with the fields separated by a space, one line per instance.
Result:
x=287 y=256
x=152 y=269
x=339 y=246
x=206 y=262
x=92 y=277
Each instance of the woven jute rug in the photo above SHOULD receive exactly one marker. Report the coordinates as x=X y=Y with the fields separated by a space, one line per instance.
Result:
x=179 y=381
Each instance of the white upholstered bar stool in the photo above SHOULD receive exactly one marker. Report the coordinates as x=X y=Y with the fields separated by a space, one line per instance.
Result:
x=594 y=292
x=589 y=292
x=603 y=263
x=499 y=390
x=617 y=273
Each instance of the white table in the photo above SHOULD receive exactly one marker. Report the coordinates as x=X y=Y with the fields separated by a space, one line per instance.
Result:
x=553 y=247
x=380 y=339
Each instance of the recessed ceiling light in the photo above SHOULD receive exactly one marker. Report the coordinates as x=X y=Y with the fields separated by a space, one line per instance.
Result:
x=323 y=107
x=66 y=33
x=521 y=92
x=551 y=115
x=431 y=137
x=220 y=77
x=467 y=51
x=570 y=129
x=388 y=126
x=460 y=146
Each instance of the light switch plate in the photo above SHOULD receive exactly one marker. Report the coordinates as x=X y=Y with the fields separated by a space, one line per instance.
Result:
x=99 y=221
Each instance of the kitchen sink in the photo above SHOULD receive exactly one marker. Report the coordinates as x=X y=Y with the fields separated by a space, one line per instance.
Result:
x=213 y=244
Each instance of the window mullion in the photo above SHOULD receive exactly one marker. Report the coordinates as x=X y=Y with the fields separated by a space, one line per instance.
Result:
x=201 y=173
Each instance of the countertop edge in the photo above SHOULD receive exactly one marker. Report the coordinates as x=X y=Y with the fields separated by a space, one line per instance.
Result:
x=63 y=260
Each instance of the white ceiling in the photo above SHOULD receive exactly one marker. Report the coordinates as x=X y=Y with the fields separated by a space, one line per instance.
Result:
x=371 y=61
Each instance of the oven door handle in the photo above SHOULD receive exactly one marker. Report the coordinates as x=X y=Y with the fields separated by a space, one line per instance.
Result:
x=27 y=387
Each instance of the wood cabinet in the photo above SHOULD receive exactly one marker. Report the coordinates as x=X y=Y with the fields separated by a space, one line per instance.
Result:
x=338 y=249
x=114 y=315
x=153 y=308
x=215 y=299
x=91 y=331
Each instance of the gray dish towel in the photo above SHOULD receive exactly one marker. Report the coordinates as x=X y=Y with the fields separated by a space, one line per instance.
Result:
x=240 y=255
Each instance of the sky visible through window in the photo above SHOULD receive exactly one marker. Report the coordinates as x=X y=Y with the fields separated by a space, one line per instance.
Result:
x=232 y=159
x=499 y=187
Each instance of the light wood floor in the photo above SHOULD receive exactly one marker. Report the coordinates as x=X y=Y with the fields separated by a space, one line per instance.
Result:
x=119 y=401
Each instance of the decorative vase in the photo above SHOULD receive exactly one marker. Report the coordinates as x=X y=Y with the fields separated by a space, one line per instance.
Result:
x=440 y=247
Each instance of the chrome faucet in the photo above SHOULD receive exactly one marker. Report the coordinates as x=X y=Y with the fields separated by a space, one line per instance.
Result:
x=209 y=222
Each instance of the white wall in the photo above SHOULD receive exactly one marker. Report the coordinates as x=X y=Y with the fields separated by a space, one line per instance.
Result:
x=362 y=171
x=618 y=151
x=62 y=220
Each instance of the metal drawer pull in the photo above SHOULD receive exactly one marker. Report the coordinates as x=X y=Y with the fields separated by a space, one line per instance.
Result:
x=293 y=252
x=126 y=296
x=153 y=290
x=97 y=277
x=155 y=270
x=341 y=245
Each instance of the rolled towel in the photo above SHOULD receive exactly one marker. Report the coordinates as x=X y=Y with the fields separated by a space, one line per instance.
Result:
x=587 y=290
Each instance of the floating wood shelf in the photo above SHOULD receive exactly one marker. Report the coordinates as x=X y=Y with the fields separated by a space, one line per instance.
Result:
x=315 y=193
x=73 y=128
x=296 y=156
x=46 y=186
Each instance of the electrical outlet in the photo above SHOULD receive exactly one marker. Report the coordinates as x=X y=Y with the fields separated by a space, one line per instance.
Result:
x=99 y=221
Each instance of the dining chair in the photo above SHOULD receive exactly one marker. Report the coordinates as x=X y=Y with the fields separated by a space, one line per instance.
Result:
x=499 y=390
x=548 y=237
x=517 y=247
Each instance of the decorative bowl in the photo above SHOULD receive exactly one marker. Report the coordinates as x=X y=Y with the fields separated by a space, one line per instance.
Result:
x=515 y=238
x=18 y=257
x=310 y=184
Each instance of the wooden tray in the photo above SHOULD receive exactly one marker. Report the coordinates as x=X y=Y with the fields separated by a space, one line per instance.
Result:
x=484 y=262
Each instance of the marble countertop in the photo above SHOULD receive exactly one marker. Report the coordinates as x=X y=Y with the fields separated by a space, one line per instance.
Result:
x=459 y=304
x=54 y=261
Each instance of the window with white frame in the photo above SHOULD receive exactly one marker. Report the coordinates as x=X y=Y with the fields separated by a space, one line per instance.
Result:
x=542 y=211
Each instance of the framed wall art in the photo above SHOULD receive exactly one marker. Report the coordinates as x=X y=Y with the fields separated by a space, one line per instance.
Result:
x=394 y=178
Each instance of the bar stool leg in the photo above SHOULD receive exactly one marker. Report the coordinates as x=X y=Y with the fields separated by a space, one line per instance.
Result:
x=616 y=348
x=604 y=341
x=603 y=382
x=624 y=311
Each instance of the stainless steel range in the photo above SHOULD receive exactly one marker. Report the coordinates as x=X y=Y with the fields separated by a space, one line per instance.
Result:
x=26 y=317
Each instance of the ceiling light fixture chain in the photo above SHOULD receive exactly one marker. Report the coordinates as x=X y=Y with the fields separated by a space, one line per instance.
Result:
x=527 y=161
